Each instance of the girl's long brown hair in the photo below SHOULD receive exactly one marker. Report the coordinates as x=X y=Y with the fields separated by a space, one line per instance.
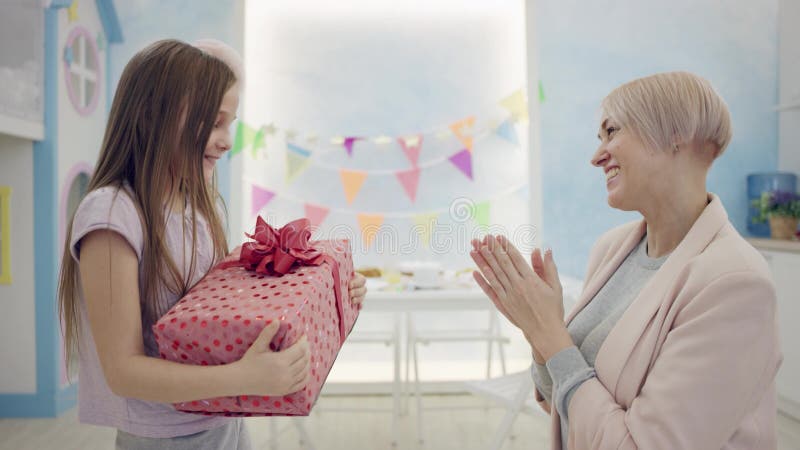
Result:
x=161 y=118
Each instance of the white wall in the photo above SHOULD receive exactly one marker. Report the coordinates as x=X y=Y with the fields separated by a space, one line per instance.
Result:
x=789 y=85
x=17 y=305
x=365 y=68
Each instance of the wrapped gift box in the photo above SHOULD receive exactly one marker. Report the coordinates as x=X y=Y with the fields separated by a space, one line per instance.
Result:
x=220 y=317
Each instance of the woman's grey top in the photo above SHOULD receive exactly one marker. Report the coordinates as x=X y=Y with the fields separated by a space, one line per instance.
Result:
x=568 y=369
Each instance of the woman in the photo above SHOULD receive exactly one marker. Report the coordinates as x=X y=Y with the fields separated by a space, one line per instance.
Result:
x=673 y=343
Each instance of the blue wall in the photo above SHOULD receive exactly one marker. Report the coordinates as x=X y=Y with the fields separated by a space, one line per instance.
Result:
x=588 y=48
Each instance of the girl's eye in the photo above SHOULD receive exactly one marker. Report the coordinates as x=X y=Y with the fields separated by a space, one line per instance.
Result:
x=611 y=130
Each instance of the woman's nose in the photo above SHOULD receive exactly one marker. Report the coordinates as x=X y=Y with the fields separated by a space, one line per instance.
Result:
x=600 y=156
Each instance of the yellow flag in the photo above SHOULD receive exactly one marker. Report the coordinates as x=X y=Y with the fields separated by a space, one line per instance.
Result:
x=352 y=180
x=424 y=224
x=295 y=165
x=369 y=224
x=517 y=105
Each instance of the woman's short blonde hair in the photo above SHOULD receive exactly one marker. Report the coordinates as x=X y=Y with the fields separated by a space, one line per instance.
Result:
x=669 y=109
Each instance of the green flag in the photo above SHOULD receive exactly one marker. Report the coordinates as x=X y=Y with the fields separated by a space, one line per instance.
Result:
x=482 y=214
x=244 y=137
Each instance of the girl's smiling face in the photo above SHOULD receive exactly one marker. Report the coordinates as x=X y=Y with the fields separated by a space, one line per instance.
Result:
x=221 y=140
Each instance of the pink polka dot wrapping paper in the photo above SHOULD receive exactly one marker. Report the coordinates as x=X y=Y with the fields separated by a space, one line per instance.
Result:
x=220 y=317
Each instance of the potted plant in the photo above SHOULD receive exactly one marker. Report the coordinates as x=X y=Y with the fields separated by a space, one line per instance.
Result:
x=781 y=209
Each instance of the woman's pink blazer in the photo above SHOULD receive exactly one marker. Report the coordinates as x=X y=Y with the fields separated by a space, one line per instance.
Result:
x=692 y=362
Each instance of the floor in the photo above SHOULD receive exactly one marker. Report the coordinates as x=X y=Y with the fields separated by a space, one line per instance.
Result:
x=462 y=423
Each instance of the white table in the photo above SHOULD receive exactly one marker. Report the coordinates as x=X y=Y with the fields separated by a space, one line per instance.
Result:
x=449 y=299
x=402 y=302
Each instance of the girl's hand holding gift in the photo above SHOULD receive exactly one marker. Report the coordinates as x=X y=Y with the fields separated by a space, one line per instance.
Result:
x=358 y=288
x=266 y=372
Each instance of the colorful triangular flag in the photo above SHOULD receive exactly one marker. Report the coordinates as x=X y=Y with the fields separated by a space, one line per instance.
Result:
x=424 y=224
x=294 y=148
x=259 y=198
x=352 y=180
x=244 y=137
x=463 y=161
x=259 y=142
x=461 y=130
x=481 y=213
x=296 y=161
x=348 y=144
x=295 y=165
x=369 y=224
x=516 y=104
x=410 y=180
x=508 y=131
x=411 y=146
x=316 y=214
x=541 y=92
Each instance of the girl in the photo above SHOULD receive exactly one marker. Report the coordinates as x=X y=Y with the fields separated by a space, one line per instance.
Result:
x=147 y=231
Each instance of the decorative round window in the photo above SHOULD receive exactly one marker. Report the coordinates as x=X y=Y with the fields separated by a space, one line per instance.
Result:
x=82 y=70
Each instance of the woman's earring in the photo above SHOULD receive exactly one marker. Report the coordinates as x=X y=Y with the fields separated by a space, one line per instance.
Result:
x=675 y=148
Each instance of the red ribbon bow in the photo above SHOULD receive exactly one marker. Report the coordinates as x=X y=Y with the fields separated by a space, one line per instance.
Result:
x=275 y=252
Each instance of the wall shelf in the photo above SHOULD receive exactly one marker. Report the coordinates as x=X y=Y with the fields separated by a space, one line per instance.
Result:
x=22 y=128
x=787 y=106
x=775 y=245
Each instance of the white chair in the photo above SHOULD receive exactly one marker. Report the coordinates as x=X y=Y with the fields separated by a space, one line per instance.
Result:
x=389 y=338
x=515 y=393
x=492 y=335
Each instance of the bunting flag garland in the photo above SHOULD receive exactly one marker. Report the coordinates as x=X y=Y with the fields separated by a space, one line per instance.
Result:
x=424 y=225
x=259 y=198
x=316 y=214
x=352 y=180
x=517 y=105
x=507 y=131
x=411 y=147
x=348 y=144
x=369 y=224
x=410 y=180
x=460 y=132
x=481 y=213
x=463 y=161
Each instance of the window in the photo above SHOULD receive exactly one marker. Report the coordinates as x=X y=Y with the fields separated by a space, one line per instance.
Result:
x=82 y=70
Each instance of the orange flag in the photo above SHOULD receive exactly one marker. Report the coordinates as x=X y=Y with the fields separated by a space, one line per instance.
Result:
x=369 y=224
x=352 y=180
x=460 y=130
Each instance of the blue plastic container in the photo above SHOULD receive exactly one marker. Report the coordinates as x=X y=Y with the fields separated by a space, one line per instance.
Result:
x=762 y=182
